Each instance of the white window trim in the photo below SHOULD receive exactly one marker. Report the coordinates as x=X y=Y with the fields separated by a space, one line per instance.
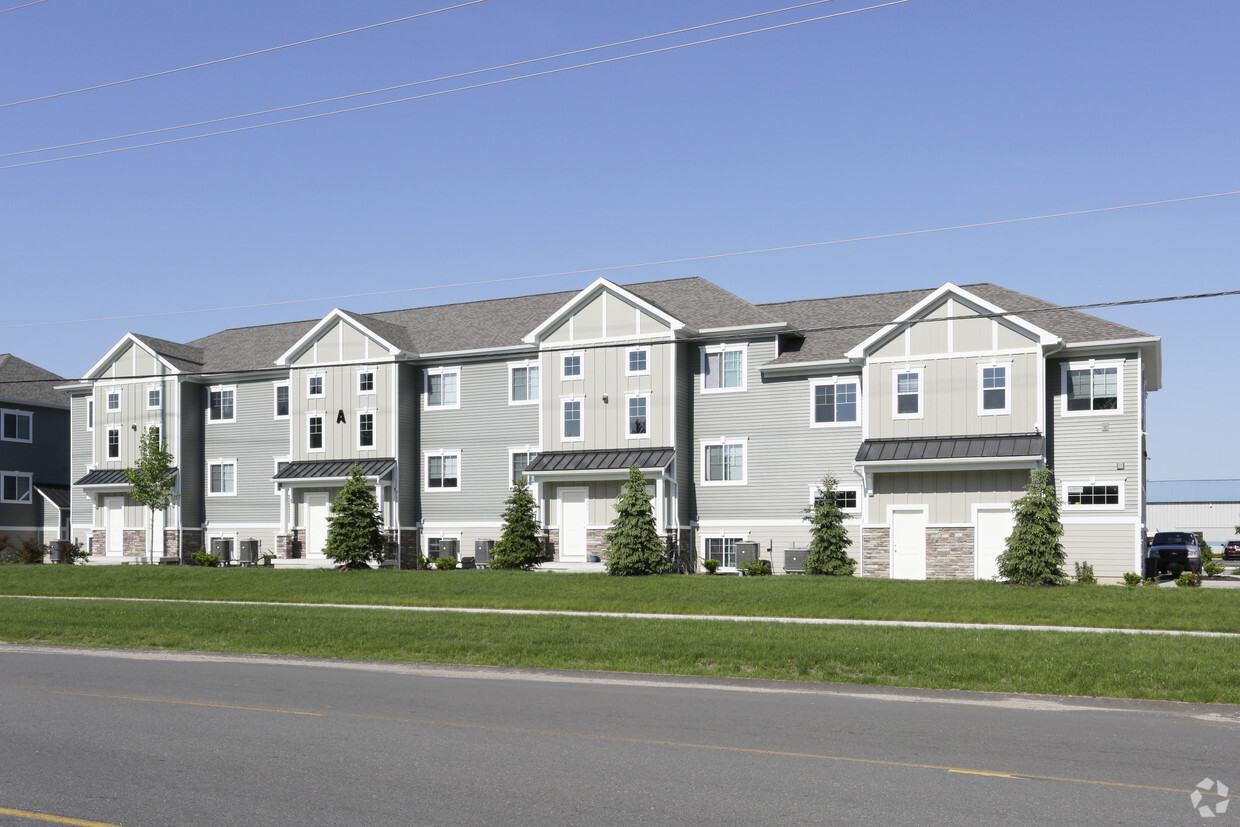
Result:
x=158 y=389
x=426 y=389
x=512 y=452
x=275 y=400
x=276 y=462
x=582 y=401
x=19 y=414
x=236 y=480
x=222 y=389
x=374 y=381
x=322 y=385
x=737 y=538
x=322 y=432
x=1072 y=483
x=851 y=513
x=29 y=486
x=725 y=348
x=426 y=471
x=374 y=429
x=921 y=392
x=1090 y=364
x=723 y=441
x=527 y=364
x=120 y=447
x=90 y=414
x=581 y=363
x=835 y=380
x=628 y=355
x=1007 y=389
x=627 y=398
x=107 y=397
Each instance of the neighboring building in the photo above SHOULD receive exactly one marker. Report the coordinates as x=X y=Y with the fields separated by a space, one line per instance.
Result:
x=1211 y=507
x=34 y=453
x=929 y=406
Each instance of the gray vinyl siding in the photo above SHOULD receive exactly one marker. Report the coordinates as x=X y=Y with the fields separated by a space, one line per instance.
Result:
x=482 y=429
x=190 y=460
x=686 y=371
x=407 y=452
x=773 y=540
x=1111 y=548
x=81 y=504
x=45 y=457
x=949 y=495
x=252 y=441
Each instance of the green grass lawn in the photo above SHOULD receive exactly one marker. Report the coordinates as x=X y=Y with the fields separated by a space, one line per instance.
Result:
x=1065 y=663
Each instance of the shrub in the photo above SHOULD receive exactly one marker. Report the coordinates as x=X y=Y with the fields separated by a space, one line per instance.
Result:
x=353 y=527
x=829 y=540
x=634 y=545
x=69 y=552
x=518 y=546
x=1033 y=555
x=28 y=552
x=1131 y=579
x=1084 y=573
x=445 y=563
x=710 y=564
x=1213 y=569
x=755 y=568
x=203 y=558
x=1188 y=579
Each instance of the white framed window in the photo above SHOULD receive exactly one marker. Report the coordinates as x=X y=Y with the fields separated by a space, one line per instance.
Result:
x=114 y=442
x=572 y=365
x=90 y=414
x=835 y=401
x=443 y=471
x=523 y=383
x=518 y=460
x=366 y=381
x=907 y=393
x=1094 y=495
x=572 y=424
x=222 y=478
x=114 y=399
x=221 y=404
x=723 y=368
x=366 y=430
x=724 y=462
x=994 y=389
x=15 y=487
x=314 y=386
x=280 y=400
x=637 y=362
x=17 y=426
x=722 y=549
x=278 y=464
x=638 y=416
x=314 y=432
x=1092 y=388
x=154 y=397
x=847 y=500
x=443 y=388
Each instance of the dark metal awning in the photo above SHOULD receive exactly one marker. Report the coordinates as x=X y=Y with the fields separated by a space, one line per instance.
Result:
x=333 y=469
x=112 y=477
x=57 y=495
x=552 y=462
x=952 y=449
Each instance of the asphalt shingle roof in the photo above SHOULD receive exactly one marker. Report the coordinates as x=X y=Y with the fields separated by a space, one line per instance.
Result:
x=21 y=381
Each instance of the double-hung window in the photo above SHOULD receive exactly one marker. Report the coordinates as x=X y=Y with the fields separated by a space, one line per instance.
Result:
x=114 y=442
x=17 y=426
x=281 y=400
x=443 y=471
x=222 y=478
x=723 y=463
x=835 y=402
x=523 y=383
x=1092 y=388
x=571 y=423
x=992 y=389
x=722 y=549
x=443 y=388
x=154 y=397
x=908 y=390
x=221 y=404
x=314 y=432
x=366 y=429
x=114 y=399
x=723 y=369
x=15 y=487
x=639 y=422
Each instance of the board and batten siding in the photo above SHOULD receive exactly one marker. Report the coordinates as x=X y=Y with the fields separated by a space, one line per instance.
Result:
x=253 y=441
x=948 y=495
x=340 y=400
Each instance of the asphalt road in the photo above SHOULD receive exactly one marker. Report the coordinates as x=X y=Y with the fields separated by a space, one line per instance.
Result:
x=168 y=739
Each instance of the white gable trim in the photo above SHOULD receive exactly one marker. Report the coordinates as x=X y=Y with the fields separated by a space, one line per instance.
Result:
x=110 y=357
x=948 y=290
x=336 y=315
x=599 y=287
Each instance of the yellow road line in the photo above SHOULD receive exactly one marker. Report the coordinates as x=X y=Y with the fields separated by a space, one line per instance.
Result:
x=4 y=811
x=189 y=703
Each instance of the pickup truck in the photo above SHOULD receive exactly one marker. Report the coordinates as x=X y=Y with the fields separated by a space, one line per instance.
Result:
x=1172 y=548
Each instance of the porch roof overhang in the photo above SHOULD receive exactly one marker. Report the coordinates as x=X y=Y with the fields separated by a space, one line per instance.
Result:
x=613 y=463
x=57 y=495
x=113 y=478
x=934 y=453
x=306 y=472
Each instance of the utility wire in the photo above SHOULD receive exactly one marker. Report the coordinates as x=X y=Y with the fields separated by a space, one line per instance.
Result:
x=439 y=79
x=233 y=57
x=455 y=89
x=22 y=6
x=616 y=267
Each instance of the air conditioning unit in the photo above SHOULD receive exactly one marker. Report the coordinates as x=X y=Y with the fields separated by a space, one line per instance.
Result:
x=248 y=552
x=222 y=547
x=450 y=548
x=482 y=551
x=746 y=552
x=794 y=560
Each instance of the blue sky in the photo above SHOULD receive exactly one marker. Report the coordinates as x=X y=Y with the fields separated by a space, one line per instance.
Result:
x=919 y=115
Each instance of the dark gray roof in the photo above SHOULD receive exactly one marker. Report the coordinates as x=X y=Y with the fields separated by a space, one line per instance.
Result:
x=951 y=447
x=20 y=381
x=250 y=348
x=334 y=469
x=182 y=357
x=58 y=494
x=115 y=476
x=612 y=460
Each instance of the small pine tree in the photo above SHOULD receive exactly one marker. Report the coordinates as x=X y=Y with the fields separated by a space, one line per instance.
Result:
x=518 y=546
x=829 y=540
x=1034 y=555
x=152 y=480
x=634 y=545
x=353 y=527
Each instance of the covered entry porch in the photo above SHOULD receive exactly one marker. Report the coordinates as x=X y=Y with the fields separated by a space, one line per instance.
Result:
x=306 y=490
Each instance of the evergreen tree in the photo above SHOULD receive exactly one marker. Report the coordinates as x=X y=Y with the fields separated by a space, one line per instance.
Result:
x=1034 y=555
x=518 y=546
x=152 y=480
x=634 y=545
x=353 y=527
x=829 y=540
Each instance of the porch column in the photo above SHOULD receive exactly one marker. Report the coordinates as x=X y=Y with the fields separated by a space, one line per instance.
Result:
x=662 y=509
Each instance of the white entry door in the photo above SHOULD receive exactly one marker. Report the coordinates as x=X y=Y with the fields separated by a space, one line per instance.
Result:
x=993 y=525
x=574 y=517
x=316 y=526
x=159 y=523
x=908 y=543
x=114 y=525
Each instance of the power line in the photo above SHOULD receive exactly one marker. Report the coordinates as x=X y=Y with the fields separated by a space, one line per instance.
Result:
x=617 y=267
x=450 y=91
x=22 y=6
x=233 y=57
x=439 y=79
